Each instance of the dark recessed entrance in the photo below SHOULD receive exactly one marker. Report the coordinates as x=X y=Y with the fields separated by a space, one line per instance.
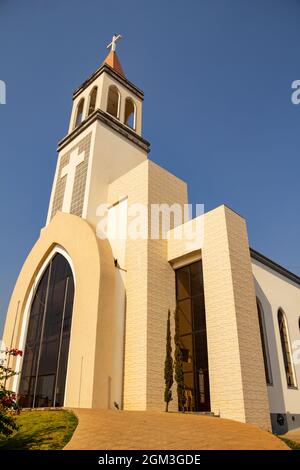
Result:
x=192 y=332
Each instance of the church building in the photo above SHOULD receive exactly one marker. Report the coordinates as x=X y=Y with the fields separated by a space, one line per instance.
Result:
x=90 y=305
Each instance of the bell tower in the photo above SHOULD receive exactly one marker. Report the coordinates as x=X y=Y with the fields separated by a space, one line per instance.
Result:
x=104 y=140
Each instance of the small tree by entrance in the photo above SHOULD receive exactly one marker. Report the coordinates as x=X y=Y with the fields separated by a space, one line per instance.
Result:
x=8 y=399
x=168 y=365
x=179 y=376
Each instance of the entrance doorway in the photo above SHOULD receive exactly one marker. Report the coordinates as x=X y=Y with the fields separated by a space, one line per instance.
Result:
x=192 y=336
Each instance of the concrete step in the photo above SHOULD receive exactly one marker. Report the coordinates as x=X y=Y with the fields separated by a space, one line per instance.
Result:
x=202 y=413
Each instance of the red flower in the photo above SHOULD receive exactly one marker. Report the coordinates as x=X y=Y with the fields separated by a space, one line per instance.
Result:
x=14 y=352
x=6 y=401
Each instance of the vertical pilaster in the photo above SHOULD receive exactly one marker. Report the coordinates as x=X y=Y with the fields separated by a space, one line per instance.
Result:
x=150 y=287
x=237 y=379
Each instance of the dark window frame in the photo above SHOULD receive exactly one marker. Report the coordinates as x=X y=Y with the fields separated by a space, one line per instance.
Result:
x=264 y=343
x=285 y=348
x=196 y=292
x=44 y=369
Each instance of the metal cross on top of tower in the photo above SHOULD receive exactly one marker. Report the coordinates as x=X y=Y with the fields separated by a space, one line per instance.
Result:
x=113 y=43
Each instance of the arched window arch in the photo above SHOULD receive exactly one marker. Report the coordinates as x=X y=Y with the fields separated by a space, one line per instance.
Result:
x=264 y=342
x=285 y=346
x=44 y=367
x=130 y=113
x=113 y=101
x=92 y=100
x=79 y=113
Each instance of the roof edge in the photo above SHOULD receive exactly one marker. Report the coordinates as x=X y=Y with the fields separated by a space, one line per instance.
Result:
x=120 y=78
x=275 y=266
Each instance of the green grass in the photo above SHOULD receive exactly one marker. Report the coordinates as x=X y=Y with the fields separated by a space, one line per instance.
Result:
x=41 y=430
x=291 y=444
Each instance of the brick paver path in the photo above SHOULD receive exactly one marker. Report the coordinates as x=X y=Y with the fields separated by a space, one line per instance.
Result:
x=109 y=430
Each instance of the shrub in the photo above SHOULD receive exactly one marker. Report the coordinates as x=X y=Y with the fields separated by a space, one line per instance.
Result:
x=8 y=399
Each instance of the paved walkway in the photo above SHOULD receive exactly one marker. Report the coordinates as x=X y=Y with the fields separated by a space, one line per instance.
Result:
x=110 y=430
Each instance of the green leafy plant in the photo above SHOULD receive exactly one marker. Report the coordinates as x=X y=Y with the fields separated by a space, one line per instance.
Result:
x=168 y=365
x=8 y=399
x=179 y=376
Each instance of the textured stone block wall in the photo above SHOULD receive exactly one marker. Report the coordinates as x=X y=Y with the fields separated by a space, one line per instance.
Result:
x=237 y=380
x=163 y=188
x=150 y=288
x=134 y=185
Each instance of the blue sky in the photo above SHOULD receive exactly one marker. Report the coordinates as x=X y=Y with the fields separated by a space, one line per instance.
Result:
x=217 y=78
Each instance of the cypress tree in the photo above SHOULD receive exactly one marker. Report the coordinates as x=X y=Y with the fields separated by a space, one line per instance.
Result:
x=179 y=376
x=168 y=365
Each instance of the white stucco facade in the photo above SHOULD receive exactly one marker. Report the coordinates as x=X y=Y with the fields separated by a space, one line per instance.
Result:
x=276 y=291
